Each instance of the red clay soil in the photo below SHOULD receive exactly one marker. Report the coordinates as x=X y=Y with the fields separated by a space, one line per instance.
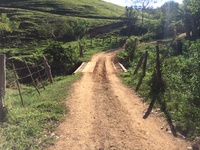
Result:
x=106 y=115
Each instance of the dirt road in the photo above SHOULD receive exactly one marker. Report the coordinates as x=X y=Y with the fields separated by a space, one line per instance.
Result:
x=106 y=115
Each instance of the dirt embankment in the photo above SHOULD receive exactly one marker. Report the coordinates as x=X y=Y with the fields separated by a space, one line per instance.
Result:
x=106 y=115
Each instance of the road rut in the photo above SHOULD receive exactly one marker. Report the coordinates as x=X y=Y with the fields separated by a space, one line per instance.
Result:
x=106 y=115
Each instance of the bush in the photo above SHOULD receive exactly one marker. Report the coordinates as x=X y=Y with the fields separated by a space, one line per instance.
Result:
x=181 y=95
x=62 y=60
x=130 y=47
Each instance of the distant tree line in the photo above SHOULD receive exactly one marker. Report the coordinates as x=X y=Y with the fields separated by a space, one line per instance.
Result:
x=165 y=21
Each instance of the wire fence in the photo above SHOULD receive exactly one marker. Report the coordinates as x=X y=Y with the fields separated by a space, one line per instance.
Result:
x=19 y=75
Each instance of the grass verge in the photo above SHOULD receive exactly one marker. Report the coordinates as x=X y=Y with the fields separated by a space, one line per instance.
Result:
x=31 y=126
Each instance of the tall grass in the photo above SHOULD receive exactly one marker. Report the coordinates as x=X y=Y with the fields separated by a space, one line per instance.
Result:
x=31 y=126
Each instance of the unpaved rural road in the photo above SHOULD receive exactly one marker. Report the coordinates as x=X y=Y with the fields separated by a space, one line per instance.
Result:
x=106 y=115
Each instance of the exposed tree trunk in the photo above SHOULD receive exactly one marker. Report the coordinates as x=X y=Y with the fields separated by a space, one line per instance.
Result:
x=188 y=30
x=80 y=49
x=194 y=28
x=2 y=84
x=142 y=17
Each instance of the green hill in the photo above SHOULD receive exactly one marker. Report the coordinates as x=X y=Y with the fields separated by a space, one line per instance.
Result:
x=85 y=8
x=34 y=15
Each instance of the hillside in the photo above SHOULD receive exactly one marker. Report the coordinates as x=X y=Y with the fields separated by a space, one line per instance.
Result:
x=69 y=7
x=35 y=17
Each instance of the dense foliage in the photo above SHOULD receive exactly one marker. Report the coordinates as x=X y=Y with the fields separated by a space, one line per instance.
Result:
x=180 y=98
x=130 y=48
x=62 y=60
x=183 y=89
x=43 y=27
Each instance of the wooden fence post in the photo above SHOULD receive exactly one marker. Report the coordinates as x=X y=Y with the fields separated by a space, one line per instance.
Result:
x=18 y=85
x=145 y=63
x=32 y=78
x=40 y=77
x=2 y=84
x=47 y=69
x=143 y=71
x=158 y=83
x=158 y=62
x=167 y=50
x=91 y=42
x=139 y=64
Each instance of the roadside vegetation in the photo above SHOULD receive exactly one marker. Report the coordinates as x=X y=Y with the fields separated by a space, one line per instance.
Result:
x=179 y=97
x=60 y=30
x=177 y=91
x=32 y=126
x=28 y=33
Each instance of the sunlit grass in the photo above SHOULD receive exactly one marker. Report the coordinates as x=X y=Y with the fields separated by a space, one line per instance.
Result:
x=30 y=127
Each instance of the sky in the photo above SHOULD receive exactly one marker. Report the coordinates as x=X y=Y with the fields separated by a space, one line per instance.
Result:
x=125 y=3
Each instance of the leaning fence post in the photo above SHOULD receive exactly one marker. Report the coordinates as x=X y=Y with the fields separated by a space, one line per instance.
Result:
x=40 y=77
x=139 y=64
x=18 y=85
x=143 y=71
x=47 y=69
x=158 y=61
x=32 y=78
x=145 y=63
x=91 y=42
x=2 y=84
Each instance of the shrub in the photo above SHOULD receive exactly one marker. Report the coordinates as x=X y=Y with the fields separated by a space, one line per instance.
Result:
x=62 y=60
x=130 y=47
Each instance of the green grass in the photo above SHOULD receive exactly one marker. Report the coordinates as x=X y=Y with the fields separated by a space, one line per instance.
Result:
x=69 y=7
x=179 y=100
x=29 y=11
x=97 y=46
x=31 y=126
x=34 y=15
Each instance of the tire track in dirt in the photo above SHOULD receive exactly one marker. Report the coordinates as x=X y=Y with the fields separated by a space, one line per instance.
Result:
x=106 y=115
x=112 y=124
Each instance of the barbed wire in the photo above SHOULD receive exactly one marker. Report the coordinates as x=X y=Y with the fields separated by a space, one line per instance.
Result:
x=20 y=69
x=34 y=77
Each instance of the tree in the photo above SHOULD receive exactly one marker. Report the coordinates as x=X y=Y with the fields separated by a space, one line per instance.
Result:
x=191 y=11
x=170 y=14
x=55 y=28
x=186 y=16
x=130 y=14
x=80 y=27
x=194 y=5
x=142 y=5
x=131 y=47
x=61 y=59
x=7 y=26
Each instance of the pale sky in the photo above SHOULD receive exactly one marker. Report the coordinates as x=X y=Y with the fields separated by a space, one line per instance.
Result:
x=125 y=2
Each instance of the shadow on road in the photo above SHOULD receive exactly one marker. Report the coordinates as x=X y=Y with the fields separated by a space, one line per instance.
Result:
x=149 y=109
x=164 y=110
